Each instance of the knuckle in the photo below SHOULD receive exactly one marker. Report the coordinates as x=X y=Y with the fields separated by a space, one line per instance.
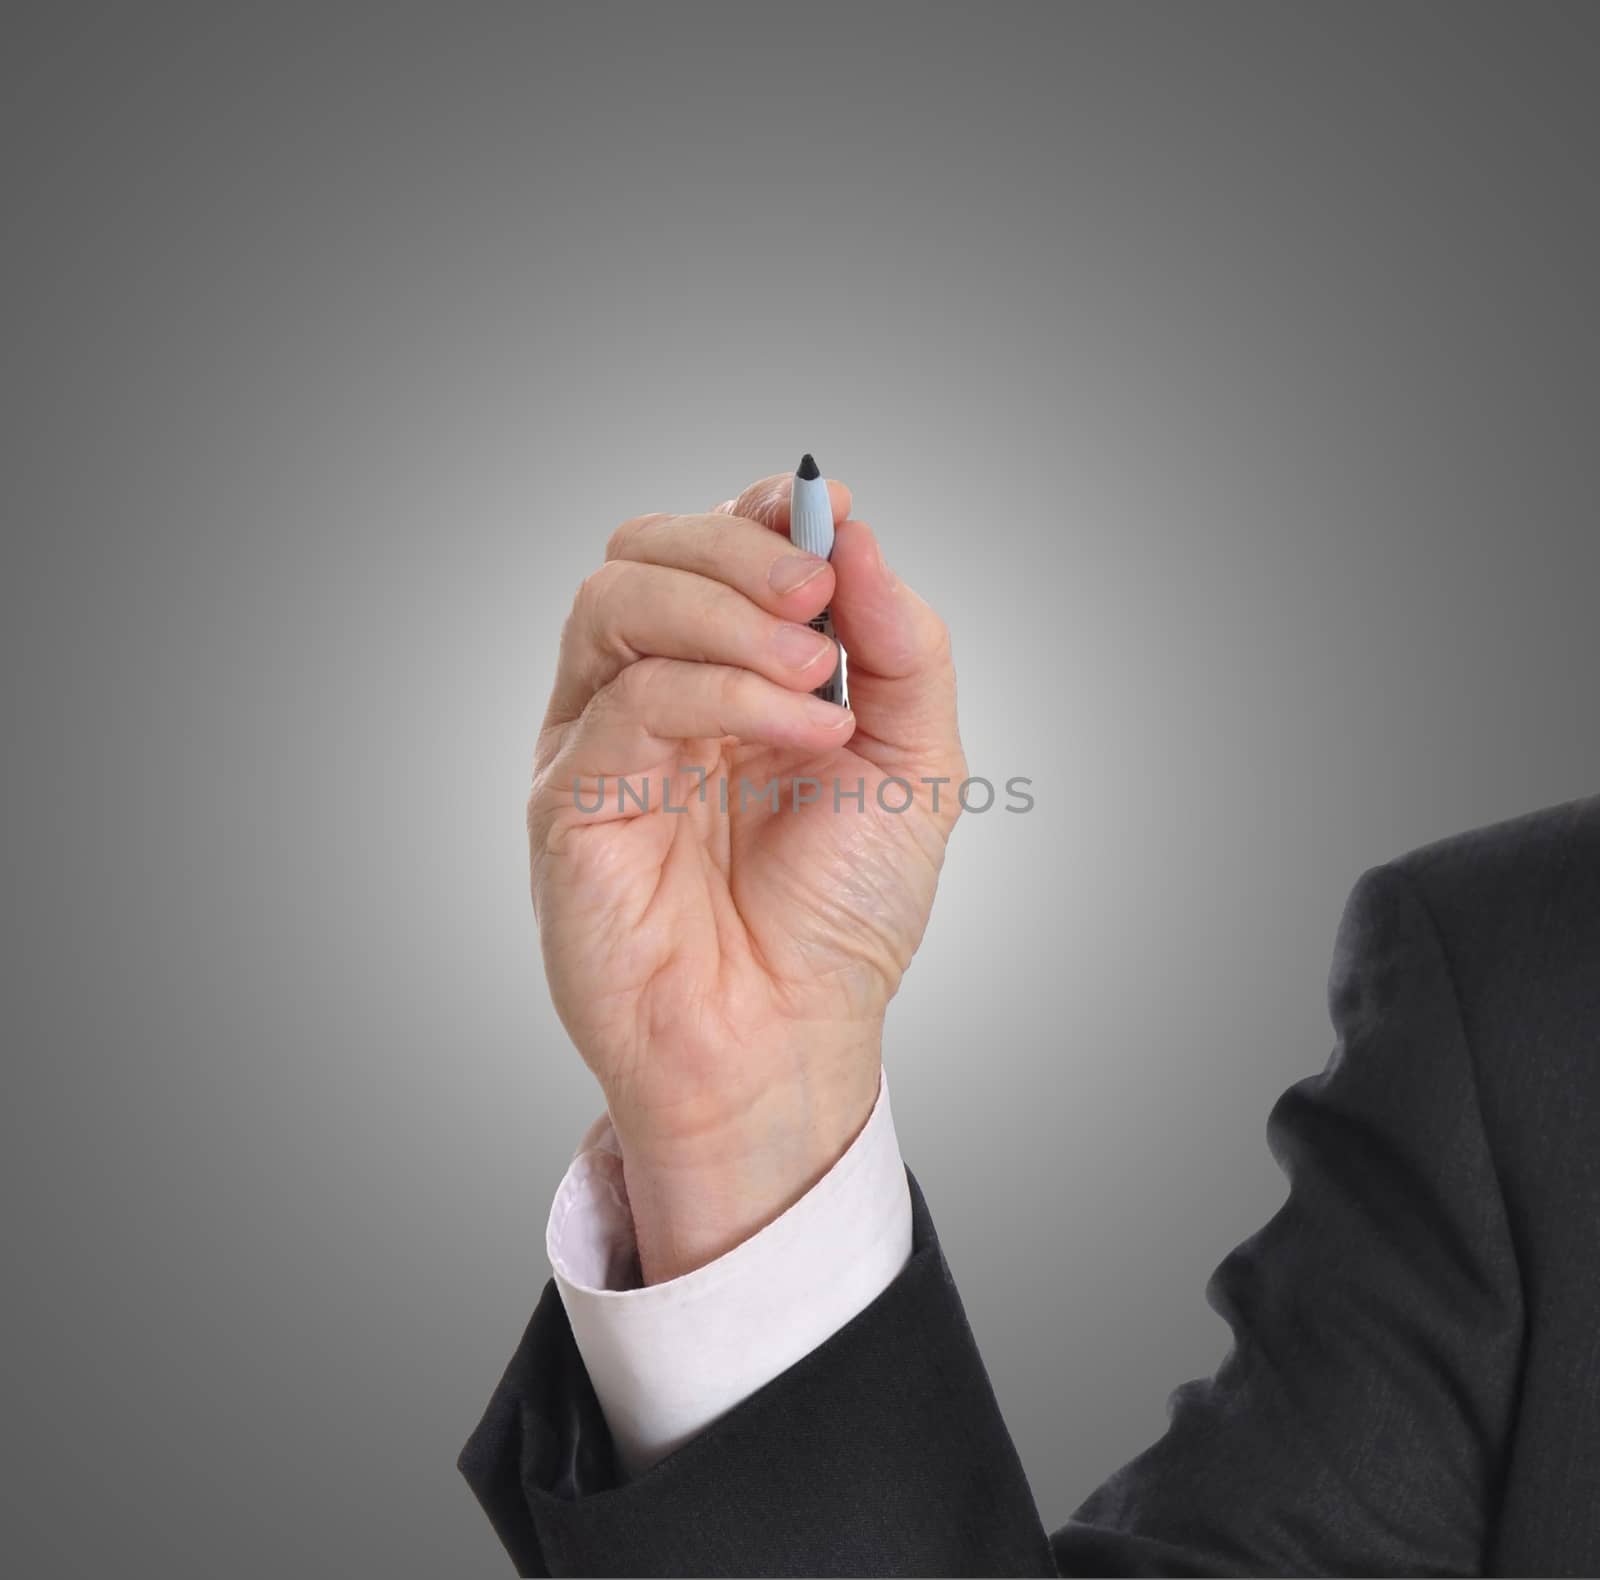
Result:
x=628 y=533
x=733 y=689
x=595 y=592
x=540 y=820
x=713 y=604
x=634 y=689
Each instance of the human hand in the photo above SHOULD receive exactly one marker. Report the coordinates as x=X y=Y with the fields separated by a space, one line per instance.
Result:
x=724 y=968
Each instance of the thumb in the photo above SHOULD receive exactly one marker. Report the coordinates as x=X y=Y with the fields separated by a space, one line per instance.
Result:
x=899 y=671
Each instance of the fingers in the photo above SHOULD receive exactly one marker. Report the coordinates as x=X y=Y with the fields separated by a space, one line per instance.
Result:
x=660 y=700
x=901 y=677
x=714 y=590
x=747 y=557
x=768 y=502
x=695 y=628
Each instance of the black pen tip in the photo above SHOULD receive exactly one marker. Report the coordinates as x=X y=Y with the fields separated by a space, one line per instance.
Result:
x=807 y=468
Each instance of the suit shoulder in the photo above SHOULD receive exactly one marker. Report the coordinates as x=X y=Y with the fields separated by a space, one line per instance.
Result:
x=1518 y=845
x=1516 y=907
x=1545 y=862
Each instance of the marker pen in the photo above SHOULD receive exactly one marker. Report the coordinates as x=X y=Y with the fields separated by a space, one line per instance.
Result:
x=811 y=529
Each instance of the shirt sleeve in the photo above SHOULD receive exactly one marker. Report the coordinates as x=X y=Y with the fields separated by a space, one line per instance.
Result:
x=666 y=1360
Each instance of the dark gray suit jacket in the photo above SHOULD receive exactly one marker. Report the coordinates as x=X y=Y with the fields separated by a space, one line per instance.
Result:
x=1414 y=1382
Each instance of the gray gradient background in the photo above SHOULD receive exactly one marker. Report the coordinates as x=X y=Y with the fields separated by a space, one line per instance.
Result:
x=1227 y=375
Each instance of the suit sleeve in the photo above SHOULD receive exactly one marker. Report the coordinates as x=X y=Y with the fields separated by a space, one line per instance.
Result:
x=1359 y=1421
x=1355 y=1426
x=881 y=1452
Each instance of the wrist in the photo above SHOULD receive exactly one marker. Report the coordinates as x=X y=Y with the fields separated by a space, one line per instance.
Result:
x=693 y=1198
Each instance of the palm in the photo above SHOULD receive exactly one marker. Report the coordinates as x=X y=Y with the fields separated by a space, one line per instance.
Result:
x=705 y=926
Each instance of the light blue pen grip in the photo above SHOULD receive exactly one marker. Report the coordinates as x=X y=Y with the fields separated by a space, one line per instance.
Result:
x=811 y=529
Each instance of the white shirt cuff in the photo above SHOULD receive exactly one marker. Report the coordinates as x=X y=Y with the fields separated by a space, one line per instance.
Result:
x=668 y=1359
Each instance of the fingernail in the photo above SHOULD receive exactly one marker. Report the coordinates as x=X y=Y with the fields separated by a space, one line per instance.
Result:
x=828 y=714
x=793 y=571
x=799 y=645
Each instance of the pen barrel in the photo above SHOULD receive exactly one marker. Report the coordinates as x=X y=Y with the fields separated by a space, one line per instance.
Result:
x=832 y=690
x=811 y=529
